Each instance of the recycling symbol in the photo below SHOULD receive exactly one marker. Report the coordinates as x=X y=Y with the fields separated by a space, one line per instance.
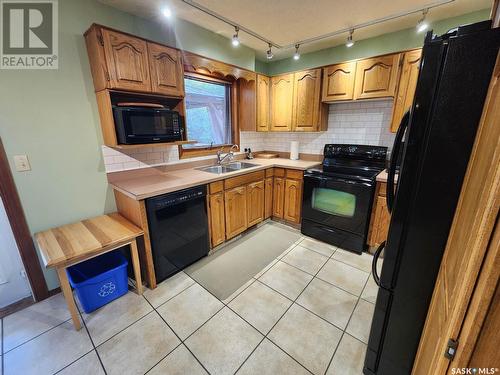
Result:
x=107 y=289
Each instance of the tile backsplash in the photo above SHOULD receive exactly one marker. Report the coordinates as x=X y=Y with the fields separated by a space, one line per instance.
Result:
x=362 y=122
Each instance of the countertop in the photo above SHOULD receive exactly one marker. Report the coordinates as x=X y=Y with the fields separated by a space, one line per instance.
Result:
x=161 y=182
x=382 y=176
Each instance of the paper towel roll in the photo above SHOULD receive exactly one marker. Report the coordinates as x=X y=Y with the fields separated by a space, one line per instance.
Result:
x=294 y=150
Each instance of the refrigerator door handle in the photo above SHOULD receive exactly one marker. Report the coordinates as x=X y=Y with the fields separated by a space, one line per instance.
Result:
x=376 y=255
x=394 y=158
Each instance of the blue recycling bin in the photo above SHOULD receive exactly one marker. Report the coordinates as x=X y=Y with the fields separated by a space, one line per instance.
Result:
x=99 y=280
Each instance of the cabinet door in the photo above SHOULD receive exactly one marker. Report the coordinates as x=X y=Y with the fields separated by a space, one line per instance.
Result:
x=268 y=198
x=407 y=86
x=235 y=204
x=281 y=102
x=167 y=73
x=127 y=60
x=306 y=97
x=380 y=224
x=293 y=200
x=255 y=202
x=338 y=82
x=217 y=219
x=278 y=196
x=376 y=77
x=263 y=91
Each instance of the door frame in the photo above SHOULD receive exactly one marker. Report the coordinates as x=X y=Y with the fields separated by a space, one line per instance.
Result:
x=19 y=225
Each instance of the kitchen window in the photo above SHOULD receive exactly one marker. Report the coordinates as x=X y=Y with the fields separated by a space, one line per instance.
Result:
x=208 y=115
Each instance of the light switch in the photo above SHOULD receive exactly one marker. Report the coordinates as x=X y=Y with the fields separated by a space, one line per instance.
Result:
x=22 y=163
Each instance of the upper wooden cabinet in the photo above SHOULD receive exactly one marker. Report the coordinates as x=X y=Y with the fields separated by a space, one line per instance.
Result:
x=127 y=61
x=376 y=77
x=263 y=90
x=124 y=62
x=281 y=102
x=306 y=100
x=338 y=82
x=165 y=65
x=407 y=86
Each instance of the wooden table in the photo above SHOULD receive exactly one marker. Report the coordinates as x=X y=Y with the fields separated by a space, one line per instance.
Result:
x=70 y=244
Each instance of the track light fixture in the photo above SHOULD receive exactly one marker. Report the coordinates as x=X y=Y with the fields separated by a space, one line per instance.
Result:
x=422 y=24
x=236 y=41
x=350 y=42
x=296 y=55
x=269 y=53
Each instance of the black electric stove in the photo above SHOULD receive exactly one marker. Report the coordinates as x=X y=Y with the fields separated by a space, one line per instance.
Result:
x=338 y=196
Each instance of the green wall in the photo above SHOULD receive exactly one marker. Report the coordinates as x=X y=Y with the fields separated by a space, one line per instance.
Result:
x=51 y=115
x=386 y=43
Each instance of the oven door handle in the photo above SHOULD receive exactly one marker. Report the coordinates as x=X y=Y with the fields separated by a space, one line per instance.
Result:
x=394 y=159
x=338 y=179
x=376 y=255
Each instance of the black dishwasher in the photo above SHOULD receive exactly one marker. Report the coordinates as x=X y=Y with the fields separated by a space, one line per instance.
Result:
x=178 y=228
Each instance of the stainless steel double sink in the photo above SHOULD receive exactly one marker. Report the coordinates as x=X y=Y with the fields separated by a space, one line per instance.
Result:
x=226 y=168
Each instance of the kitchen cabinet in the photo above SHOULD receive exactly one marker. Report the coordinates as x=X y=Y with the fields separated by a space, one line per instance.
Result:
x=165 y=65
x=255 y=202
x=268 y=197
x=407 y=86
x=278 y=197
x=263 y=91
x=217 y=218
x=380 y=217
x=235 y=205
x=281 y=102
x=287 y=194
x=293 y=200
x=376 y=77
x=307 y=107
x=127 y=61
x=338 y=82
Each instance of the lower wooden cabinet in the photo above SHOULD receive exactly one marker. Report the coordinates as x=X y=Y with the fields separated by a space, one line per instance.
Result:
x=217 y=218
x=380 y=218
x=268 y=197
x=235 y=204
x=255 y=202
x=278 y=197
x=293 y=200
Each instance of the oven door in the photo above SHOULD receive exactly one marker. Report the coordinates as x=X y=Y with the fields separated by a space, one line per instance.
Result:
x=338 y=203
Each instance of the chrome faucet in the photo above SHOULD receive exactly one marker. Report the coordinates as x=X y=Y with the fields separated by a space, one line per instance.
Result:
x=229 y=155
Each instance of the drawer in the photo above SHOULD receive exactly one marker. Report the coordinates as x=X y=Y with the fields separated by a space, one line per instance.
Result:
x=243 y=179
x=216 y=186
x=270 y=172
x=279 y=172
x=382 y=190
x=294 y=174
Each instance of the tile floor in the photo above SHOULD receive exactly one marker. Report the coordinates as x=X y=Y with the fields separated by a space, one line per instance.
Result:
x=308 y=312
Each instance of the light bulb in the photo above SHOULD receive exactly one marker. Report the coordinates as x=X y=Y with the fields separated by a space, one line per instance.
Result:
x=269 y=53
x=422 y=24
x=296 y=55
x=235 y=41
x=167 y=13
x=350 y=42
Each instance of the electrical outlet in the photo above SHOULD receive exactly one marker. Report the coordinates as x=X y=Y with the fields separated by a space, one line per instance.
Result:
x=22 y=163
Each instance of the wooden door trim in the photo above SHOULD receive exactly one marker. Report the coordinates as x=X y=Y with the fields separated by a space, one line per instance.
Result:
x=22 y=235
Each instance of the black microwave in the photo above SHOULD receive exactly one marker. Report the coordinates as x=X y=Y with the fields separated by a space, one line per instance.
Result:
x=147 y=125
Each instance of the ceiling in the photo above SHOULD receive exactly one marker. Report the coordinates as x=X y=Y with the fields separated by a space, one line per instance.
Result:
x=285 y=22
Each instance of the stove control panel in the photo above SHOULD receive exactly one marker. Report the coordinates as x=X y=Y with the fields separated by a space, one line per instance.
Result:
x=350 y=151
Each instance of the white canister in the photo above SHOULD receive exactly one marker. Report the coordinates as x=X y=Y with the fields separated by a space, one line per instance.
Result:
x=294 y=150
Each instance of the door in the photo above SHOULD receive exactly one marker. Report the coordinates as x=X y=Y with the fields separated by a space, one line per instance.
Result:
x=167 y=75
x=278 y=197
x=217 y=218
x=407 y=86
x=338 y=82
x=293 y=200
x=306 y=87
x=255 y=202
x=263 y=90
x=338 y=203
x=235 y=204
x=281 y=102
x=268 y=198
x=14 y=285
x=376 y=77
x=127 y=60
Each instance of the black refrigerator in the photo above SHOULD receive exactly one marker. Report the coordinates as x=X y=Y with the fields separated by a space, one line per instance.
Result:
x=434 y=142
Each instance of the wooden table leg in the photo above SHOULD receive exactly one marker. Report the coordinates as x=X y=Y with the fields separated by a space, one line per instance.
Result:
x=137 y=267
x=68 y=296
